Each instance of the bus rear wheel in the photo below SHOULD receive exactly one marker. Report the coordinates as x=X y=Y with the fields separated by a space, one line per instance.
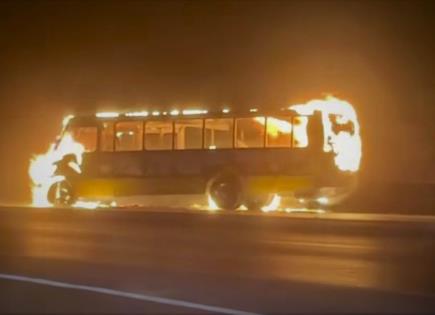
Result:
x=61 y=194
x=226 y=191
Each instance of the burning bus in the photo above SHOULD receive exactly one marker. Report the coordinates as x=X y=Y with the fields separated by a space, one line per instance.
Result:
x=310 y=151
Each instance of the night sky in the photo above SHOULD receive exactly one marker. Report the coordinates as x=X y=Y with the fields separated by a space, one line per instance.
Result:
x=58 y=57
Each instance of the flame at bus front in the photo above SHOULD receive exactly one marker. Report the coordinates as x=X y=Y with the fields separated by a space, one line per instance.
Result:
x=42 y=168
x=346 y=144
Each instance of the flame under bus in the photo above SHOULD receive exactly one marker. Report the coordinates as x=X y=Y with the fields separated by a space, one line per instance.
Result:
x=237 y=158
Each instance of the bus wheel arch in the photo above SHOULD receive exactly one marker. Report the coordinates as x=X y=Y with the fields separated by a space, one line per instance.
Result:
x=226 y=190
x=61 y=193
x=256 y=201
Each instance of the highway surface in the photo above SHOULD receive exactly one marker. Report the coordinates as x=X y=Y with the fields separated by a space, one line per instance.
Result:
x=184 y=261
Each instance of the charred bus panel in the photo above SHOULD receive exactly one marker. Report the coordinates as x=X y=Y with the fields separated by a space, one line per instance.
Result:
x=230 y=158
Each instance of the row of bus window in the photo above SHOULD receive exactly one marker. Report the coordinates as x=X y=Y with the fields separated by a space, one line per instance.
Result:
x=213 y=133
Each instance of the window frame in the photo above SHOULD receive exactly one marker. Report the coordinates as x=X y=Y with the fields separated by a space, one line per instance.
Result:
x=287 y=119
x=97 y=142
x=114 y=135
x=202 y=133
x=263 y=146
x=172 y=121
x=307 y=132
x=145 y=122
x=100 y=135
x=232 y=118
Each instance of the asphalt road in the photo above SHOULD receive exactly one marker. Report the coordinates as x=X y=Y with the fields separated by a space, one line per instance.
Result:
x=183 y=261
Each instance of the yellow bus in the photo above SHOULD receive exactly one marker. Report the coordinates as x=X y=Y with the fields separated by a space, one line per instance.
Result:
x=236 y=158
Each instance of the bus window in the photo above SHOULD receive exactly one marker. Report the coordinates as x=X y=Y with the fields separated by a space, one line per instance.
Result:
x=158 y=135
x=106 y=138
x=218 y=133
x=188 y=134
x=128 y=136
x=278 y=132
x=87 y=136
x=300 y=134
x=250 y=132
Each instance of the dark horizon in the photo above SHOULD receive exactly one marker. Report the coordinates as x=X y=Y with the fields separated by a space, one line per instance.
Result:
x=65 y=56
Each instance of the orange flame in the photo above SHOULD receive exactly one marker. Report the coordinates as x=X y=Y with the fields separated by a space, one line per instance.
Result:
x=212 y=205
x=273 y=205
x=275 y=126
x=345 y=144
x=42 y=169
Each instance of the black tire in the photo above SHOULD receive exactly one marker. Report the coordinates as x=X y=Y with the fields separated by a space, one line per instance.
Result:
x=226 y=191
x=257 y=201
x=61 y=194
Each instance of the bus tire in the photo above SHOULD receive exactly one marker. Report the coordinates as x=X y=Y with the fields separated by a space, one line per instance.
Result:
x=226 y=191
x=61 y=194
x=257 y=201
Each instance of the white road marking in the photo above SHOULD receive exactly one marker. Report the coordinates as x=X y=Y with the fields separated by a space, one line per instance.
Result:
x=130 y=295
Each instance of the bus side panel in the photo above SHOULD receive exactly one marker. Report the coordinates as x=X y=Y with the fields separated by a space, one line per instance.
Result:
x=187 y=171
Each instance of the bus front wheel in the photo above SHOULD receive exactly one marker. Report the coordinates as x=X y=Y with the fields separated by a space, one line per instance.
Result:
x=226 y=191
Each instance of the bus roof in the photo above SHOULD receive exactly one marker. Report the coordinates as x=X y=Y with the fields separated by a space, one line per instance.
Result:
x=173 y=114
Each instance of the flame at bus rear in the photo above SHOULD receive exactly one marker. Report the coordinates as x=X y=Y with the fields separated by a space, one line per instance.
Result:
x=42 y=168
x=341 y=130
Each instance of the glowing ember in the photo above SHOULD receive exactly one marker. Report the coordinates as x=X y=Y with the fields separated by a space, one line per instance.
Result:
x=212 y=206
x=273 y=205
x=323 y=200
x=243 y=208
x=86 y=204
x=304 y=210
x=346 y=144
